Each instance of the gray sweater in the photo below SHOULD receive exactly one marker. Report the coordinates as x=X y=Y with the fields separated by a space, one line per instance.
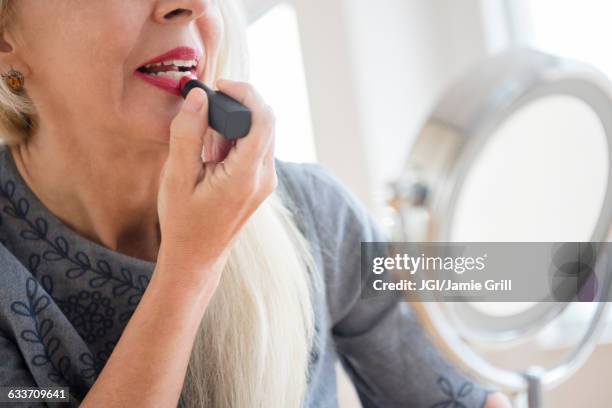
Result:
x=65 y=300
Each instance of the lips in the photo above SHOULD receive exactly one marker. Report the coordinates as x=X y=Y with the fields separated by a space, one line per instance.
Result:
x=166 y=70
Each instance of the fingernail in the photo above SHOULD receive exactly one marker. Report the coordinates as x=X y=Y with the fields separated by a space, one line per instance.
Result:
x=194 y=101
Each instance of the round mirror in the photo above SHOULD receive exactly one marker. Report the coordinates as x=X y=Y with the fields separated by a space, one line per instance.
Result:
x=517 y=150
x=546 y=163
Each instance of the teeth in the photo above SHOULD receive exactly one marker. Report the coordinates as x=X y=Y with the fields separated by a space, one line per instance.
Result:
x=172 y=74
x=181 y=63
x=185 y=63
x=177 y=63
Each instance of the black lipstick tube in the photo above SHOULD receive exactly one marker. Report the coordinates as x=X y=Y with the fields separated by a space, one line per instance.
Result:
x=227 y=116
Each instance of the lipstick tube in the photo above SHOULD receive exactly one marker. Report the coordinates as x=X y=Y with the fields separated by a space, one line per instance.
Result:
x=227 y=116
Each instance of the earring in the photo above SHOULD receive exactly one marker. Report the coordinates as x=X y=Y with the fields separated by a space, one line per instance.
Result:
x=14 y=80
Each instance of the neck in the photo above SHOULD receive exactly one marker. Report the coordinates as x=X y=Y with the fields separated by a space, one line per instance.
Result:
x=103 y=188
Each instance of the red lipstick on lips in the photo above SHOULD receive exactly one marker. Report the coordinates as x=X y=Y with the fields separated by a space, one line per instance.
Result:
x=169 y=84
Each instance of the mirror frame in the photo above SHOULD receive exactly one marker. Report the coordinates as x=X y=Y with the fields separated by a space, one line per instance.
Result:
x=440 y=160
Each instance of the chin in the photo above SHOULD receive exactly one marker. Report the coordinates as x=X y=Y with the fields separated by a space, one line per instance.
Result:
x=151 y=126
x=159 y=134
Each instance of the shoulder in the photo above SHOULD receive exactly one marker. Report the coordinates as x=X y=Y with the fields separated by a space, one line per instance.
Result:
x=7 y=170
x=4 y=152
x=15 y=282
x=315 y=193
x=307 y=178
x=335 y=223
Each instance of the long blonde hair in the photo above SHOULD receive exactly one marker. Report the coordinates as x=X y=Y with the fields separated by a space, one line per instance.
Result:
x=17 y=116
x=253 y=345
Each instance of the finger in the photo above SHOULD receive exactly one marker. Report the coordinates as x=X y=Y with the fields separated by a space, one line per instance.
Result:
x=271 y=150
x=253 y=146
x=216 y=147
x=186 y=135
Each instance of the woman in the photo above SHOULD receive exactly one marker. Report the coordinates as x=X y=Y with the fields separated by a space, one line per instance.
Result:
x=251 y=294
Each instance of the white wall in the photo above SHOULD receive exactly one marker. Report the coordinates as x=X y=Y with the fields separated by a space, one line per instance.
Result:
x=404 y=53
x=373 y=71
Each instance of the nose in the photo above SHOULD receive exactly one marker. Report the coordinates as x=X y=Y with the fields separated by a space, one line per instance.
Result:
x=176 y=11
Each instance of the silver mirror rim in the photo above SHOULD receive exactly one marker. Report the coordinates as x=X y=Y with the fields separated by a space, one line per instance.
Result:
x=450 y=140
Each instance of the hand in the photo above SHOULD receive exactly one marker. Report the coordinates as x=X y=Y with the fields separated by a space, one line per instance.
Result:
x=203 y=205
x=497 y=400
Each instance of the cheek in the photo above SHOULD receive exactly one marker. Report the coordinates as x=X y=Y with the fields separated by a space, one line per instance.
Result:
x=75 y=41
x=210 y=28
x=82 y=59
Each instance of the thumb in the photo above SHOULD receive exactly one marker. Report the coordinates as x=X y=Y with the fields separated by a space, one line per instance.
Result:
x=187 y=134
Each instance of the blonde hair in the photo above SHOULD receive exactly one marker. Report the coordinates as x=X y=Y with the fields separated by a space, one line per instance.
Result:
x=253 y=345
x=16 y=111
